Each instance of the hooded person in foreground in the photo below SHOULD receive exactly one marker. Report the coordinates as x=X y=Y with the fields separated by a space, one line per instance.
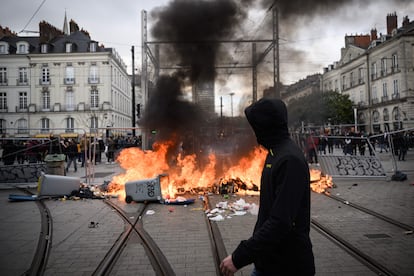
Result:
x=280 y=244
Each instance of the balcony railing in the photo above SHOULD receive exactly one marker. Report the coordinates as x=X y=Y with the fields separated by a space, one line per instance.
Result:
x=93 y=80
x=22 y=130
x=44 y=82
x=69 y=80
x=4 y=109
x=22 y=82
x=395 y=96
x=3 y=82
x=21 y=109
x=374 y=101
x=384 y=98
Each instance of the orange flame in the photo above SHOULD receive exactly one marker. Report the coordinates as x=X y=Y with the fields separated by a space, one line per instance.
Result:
x=185 y=173
x=320 y=182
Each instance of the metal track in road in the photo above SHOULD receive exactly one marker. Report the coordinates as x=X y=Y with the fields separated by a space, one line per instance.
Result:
x=217 y=244
x=375 y=266
x=158 y=260
x=39 y=262
x=367 y=259
x=371 y=212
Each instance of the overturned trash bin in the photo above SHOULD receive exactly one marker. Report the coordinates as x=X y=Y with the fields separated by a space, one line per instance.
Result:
x=145 y=189
x=54 y=185
x=55 y=164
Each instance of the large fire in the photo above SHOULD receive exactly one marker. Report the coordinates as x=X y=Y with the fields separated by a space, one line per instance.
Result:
x=184 y=173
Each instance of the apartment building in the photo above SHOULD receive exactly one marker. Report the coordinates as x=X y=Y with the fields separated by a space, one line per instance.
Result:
x=61 y=82
x=377 y=72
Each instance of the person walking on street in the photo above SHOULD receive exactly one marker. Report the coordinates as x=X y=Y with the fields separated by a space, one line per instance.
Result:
x=72 y=155
x=280 y=244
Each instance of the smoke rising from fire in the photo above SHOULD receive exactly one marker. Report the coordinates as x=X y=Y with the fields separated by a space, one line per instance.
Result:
x=188 y=22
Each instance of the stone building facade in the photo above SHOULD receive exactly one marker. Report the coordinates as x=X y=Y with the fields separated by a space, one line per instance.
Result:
x=377 y=72
x=61 y=82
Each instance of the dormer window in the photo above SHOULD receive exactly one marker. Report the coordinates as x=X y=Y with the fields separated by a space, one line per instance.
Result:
x=4 y=48
x=69 y=47
x=44 y=48
x=92 y=47
x=22 y=47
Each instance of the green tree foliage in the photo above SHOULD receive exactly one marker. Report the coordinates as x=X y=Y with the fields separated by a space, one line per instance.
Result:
x=319 y=108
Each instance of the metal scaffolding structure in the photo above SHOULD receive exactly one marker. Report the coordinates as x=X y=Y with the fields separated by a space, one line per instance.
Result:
x=151 y=50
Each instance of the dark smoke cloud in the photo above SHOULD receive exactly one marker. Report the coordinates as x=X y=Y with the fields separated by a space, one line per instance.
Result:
x=191 y=21
x=167 y=111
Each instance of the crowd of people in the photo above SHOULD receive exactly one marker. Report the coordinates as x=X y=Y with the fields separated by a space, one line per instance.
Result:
x=76 y=150
x=351 y=143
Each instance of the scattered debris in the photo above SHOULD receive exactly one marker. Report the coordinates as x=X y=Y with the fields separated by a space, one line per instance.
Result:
x=150 y=212
x=179 y=201
x=93 y=224
x=226 y=210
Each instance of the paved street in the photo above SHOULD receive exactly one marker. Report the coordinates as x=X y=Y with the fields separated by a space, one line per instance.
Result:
x=181 y=232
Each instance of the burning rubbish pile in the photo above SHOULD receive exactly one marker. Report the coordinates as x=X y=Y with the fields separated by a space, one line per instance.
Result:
x=181 y=174
x=319 y=181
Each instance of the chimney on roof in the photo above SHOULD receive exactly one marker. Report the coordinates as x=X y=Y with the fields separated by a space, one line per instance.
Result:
x=406 y=21
x=374 y=35
x=73 y=26
x=48 y=32
x=6 y=32
x=391 y=22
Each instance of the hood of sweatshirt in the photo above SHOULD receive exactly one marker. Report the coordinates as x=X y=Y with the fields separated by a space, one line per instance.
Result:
x=268 y=118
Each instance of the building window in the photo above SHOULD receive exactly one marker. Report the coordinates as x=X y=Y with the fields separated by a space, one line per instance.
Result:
x=94 y=98
x=68 y=48
x=93 y=74
x=3 y=101
x=375 y=116
x=374 y=73
x=343 y=82
x=94 y=122
x=396 y=92
x=360 y=75
x=46 y=100
x=70 y=125
x=22 y=126
x=22 y=100
x=383 y=67
x=92 y=47
x=44 y=125
x=69 y=75
x=70 y=100
x=3 y=76
x=361 y=96
x=374 y=92
x=2 y=126
x=394 y=62
x=384 y=90
x=351 y=80
x=2 y=49
x=396 y=115
x=23 y=76
x=44 y=48
x=22 y=47
x=386 y=115
x=45 y=79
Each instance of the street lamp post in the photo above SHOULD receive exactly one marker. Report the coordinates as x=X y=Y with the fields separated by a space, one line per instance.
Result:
x=231 y=103
x=355 y=120
x=231 y=106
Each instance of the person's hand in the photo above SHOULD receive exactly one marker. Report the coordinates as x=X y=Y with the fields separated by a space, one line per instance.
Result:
x=227 y=267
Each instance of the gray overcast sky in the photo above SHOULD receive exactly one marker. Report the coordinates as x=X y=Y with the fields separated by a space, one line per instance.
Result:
x=117 y=24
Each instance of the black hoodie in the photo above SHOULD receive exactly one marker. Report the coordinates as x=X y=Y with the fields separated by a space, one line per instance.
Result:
x=280 y=244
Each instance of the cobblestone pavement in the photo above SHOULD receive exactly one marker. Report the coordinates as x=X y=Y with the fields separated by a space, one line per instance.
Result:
x=181 y=231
